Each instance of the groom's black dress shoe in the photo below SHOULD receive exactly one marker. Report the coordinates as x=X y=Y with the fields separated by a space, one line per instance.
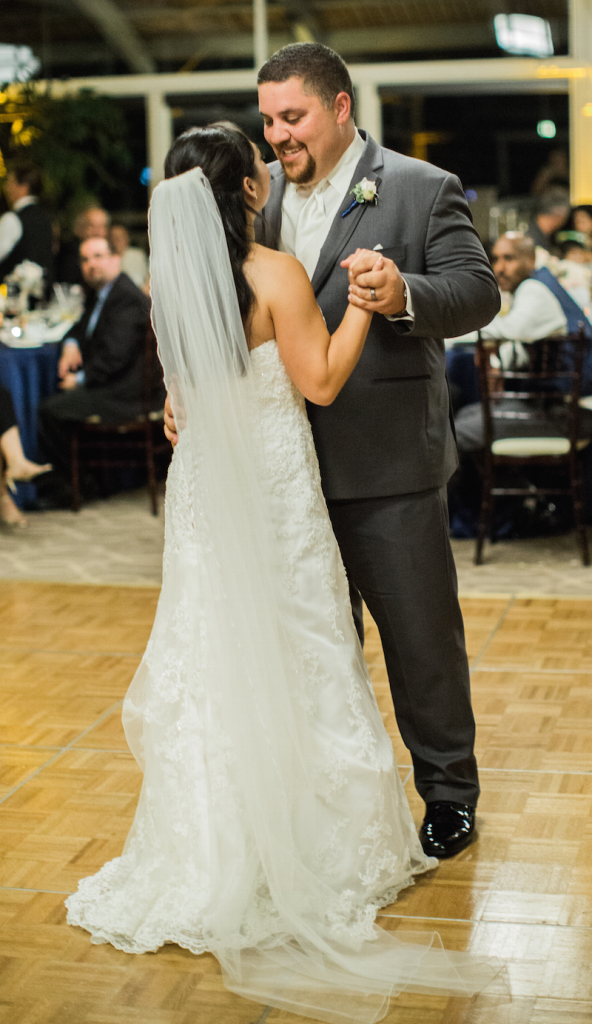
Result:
x=447 y=828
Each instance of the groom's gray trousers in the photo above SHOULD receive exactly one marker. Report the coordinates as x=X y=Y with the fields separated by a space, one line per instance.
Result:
x=398 y=558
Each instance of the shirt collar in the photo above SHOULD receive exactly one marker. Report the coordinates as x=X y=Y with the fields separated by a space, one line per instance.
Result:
x=103 y=293
x=25 y=201
x=341 y=175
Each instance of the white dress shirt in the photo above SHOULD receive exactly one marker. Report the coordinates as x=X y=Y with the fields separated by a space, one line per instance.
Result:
x=11 y=228
x=309 y=211
x=535 y=313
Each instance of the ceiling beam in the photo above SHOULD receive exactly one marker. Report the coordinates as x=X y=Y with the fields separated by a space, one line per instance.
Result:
x=119 y=34
x=303 y=21
x=497 y=72
x=345 y=41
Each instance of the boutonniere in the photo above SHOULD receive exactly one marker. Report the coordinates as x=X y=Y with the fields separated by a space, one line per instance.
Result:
x=365 y=192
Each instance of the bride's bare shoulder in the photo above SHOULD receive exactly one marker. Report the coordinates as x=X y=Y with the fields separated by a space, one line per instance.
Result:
x=270 y=261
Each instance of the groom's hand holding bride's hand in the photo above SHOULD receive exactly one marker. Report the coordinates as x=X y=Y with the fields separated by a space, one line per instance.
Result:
x=368 y=270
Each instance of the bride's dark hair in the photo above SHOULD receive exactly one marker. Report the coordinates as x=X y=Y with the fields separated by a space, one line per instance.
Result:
x=226 y=157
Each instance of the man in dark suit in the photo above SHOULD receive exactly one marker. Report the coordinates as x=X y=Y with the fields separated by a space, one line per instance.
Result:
x=26 y=231
x=101 y=366
x=386 y=446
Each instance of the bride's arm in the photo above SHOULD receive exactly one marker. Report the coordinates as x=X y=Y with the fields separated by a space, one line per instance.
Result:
x=318 y=363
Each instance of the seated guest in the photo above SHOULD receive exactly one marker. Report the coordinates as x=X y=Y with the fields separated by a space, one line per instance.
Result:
x=102 y=360
x=133 y=260
x=552 y=212
x=573 y=269
x=15 y=465
x=25 y=231
x=573 y=245
x=580 y=219
x=536 y=312
x=90 y=223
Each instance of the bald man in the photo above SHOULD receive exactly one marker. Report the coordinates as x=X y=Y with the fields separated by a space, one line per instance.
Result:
x=90 y=223
x=535 y=313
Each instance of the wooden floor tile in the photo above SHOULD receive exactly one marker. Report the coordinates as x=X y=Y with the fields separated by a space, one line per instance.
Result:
x=17 y=764
x=108 y=735
x=522 y=892
x=68 y=820
x=50 y=972
x=53 y=616
x=532 y=720
x=548 y=634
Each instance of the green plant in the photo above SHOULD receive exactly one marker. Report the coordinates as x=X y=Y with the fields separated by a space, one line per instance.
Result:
x=79 y=141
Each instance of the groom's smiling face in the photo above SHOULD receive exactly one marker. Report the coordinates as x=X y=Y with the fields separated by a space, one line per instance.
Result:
x=307 y=137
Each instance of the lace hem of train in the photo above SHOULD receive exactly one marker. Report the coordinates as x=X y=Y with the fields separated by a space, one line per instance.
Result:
x=112 y=906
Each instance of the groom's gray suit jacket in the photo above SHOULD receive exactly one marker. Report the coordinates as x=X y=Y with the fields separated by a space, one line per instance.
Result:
x=388 y=431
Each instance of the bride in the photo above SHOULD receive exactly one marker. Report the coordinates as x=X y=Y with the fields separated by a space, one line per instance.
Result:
x=272 y=823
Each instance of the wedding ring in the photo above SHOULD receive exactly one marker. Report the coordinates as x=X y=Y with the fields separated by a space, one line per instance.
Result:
x=373 y=295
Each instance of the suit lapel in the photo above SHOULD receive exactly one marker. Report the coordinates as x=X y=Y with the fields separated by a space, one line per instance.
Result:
x=271 y=221
x=343 y=228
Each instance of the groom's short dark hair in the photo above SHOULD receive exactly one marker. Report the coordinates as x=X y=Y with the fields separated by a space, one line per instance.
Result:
x=323 y=72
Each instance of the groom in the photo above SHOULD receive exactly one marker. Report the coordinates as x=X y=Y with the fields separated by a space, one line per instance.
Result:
x=386 y=446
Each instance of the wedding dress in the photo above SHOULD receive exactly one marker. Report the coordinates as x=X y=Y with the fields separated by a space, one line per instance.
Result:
x=272 y=822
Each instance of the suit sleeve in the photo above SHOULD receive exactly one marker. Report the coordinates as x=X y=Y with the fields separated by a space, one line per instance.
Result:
x=457 y=292
x=77 y=332
x=119 y=345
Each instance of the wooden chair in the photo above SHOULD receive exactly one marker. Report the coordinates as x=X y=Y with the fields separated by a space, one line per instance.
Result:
x=127 y=445
x=539 y=377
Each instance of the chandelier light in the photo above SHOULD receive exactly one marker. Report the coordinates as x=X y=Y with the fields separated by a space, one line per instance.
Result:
x=17 y=63
x=523 y=34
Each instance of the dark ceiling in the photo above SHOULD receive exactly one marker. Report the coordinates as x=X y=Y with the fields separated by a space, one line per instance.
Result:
x=88 y=37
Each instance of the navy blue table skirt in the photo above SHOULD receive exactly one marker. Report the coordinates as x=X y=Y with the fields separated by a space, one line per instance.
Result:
x=30 y=374
x=461 y=370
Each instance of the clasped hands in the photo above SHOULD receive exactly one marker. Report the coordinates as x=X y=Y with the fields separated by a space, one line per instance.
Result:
x=375 y=282
x=70 y=362
x=368 y=271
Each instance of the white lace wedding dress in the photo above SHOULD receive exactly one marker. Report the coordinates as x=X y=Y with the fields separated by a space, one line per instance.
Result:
x=355 y=828
x=272 y=822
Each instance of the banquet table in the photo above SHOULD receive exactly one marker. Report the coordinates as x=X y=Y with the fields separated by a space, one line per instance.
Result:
x=30 y=374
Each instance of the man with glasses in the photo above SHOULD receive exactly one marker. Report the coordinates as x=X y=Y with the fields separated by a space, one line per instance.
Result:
x=101 y=364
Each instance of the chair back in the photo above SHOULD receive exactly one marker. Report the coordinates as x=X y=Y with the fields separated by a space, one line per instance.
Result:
x=541 y=377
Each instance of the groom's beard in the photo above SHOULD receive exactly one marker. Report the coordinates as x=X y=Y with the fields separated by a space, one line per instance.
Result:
x=302 y=177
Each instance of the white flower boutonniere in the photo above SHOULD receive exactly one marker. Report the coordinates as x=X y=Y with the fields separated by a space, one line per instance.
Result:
x=365 y=191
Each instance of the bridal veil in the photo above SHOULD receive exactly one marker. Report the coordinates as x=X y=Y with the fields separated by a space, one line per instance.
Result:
x=301 y=944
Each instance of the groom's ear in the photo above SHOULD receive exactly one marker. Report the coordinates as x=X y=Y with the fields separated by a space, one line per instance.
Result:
x=342 y=107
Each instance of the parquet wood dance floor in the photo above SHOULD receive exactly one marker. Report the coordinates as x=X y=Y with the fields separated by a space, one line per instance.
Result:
x=68 y=788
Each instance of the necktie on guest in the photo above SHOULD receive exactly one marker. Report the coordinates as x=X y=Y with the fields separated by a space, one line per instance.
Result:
x=102 y=297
